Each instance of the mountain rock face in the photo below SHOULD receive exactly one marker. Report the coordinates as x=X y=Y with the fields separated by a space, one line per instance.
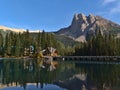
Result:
x=83 y=27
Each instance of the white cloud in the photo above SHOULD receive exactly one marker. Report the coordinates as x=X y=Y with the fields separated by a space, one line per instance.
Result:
x=116 y=9
x=108 y=1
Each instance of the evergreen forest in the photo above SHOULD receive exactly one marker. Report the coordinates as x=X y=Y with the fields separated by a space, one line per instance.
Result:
x=14 y=44
x=99 y=45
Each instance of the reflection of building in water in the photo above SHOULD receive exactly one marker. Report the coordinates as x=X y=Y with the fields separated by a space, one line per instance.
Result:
x=46 y=56
x=28 y=65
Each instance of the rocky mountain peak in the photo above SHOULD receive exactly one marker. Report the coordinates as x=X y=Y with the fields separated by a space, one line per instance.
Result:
x=83 y=27
x=91 y=18
x=76 y=17
x=79 y=18
x=82 y=16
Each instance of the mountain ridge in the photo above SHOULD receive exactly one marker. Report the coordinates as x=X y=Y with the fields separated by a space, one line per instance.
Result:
x=83 y=27
x=17 y=30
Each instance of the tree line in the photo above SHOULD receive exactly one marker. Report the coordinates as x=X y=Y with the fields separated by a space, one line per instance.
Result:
x=14 y=44
x=99 y=45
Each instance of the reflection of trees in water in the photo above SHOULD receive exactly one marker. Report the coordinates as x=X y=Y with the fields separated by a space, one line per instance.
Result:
x=99 y=75
x=65 y=70
x=22 y=72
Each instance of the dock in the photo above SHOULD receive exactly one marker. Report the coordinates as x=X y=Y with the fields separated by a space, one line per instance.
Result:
x=89 y=58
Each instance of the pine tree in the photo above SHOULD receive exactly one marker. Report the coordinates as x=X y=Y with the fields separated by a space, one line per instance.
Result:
x=17 y=46
x=8 y=44
x=1 y=44
x=37 y=44
x=43 y=40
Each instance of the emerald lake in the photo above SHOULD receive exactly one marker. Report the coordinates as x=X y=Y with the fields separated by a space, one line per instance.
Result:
x=29 y=74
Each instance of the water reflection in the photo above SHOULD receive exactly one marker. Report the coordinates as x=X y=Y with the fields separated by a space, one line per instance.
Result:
x=21 y=72
x=71 y=74
x=98 y=76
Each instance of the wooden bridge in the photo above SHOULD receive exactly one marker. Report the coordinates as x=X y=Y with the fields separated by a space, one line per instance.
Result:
x=88 y=58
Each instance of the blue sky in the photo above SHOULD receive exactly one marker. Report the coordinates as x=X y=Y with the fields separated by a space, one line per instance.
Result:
x=51 y=15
